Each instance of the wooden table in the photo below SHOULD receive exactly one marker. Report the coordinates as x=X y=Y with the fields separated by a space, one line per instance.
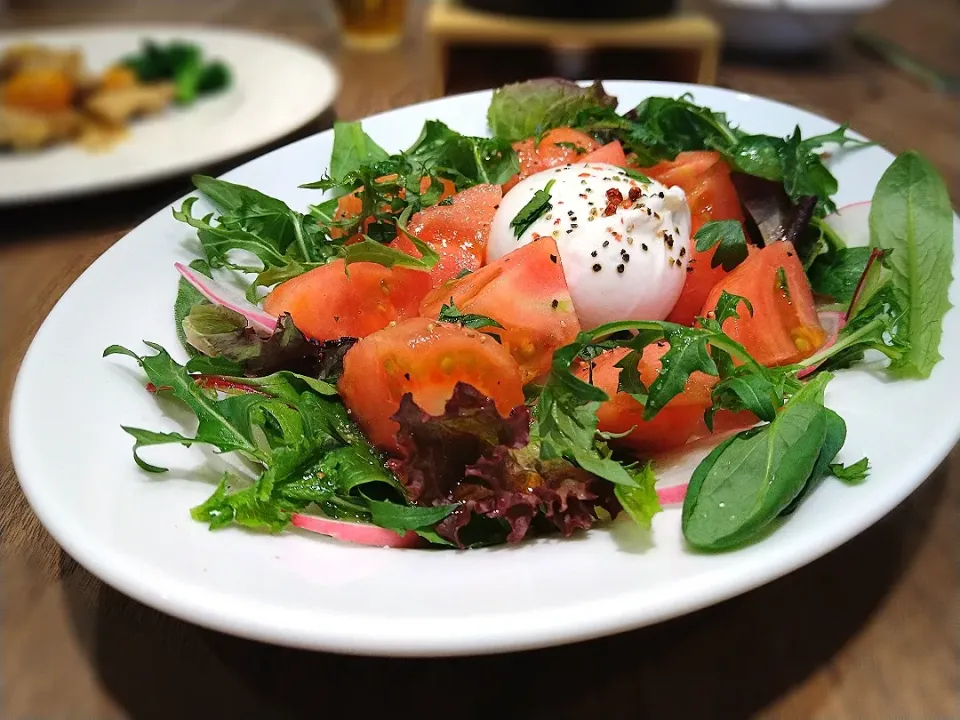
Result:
x=869 y=631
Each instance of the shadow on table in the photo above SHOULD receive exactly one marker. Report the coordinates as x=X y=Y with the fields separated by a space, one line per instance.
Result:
x=111 y=211
x=727 y=661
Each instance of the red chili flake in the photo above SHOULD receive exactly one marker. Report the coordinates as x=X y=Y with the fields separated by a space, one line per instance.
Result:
x=634 y=193
x=583 y=195
x=614 y=198
x=557 y=221
x=584 y=175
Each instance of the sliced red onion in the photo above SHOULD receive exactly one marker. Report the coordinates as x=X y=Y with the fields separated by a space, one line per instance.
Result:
x=672 y=495
x=262 y=322
x=355 y=532
x=852 y=223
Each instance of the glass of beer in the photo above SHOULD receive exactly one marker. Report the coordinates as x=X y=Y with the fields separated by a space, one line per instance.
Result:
x=372 y=24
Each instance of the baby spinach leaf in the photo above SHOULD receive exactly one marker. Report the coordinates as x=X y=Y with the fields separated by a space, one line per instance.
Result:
x=748 y=480
x=728 y=236
x=911 y=216
x=833 y=441
x=836 y=274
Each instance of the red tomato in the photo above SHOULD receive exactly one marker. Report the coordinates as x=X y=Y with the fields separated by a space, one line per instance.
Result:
x=524 y=291
x=426 y=358
x=676 y=423
x=557 y=147
x=458 y=232
x=784 y=327
x=705 y=178
x=350 y=205
x=326 y=303
x=611 y=153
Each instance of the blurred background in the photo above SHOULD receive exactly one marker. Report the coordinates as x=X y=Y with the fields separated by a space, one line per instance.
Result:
x=69 y=189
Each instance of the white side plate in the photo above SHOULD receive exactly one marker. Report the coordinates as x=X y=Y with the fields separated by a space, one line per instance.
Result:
x=278 y=86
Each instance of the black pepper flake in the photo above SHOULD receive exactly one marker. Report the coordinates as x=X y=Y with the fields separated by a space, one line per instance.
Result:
x=644 y=246
x=569 y=231
x=660 y=194
x=596 y=267
x=573 y=225
x=496 y=207
x=593 y=254
x=625 y=257
x=336 y=318
x=555 y=304
x=689 y=269
x=570 y=213
x=620 y=268
x=406 y=376
x=649 y=212
x=789 y=254
x=553 y=258
x=669 y=241
x=683 y=251
x=606 y=243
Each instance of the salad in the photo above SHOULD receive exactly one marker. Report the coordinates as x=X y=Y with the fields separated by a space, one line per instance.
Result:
x=483 y=339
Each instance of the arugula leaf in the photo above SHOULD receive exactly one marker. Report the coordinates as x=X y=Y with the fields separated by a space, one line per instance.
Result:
x=188 y=297
x=452 y=314
x=912 y=217
x=664 y=127
x=640 y=502
x=536 y=207
x=307 y=448
x=851 y=474
x=402 y=518
x=732 y=249
x=748 y=480
x=531 y=108
x=836 y=274
x=465 y=160
x=369 y=250
x=352 y=147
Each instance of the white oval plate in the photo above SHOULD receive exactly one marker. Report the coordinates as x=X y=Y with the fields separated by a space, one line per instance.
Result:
x=135 y=532
x=278 y=87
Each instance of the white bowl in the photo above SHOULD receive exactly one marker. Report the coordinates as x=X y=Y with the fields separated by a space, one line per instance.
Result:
x=788 y=26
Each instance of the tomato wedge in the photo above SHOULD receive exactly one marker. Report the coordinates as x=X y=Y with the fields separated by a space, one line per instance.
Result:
x=705 y=178
x=326 y=303
x=611 y=153
x=676 y=423
x=426 y=358
x=557 y=147
x=784 y=327
x=525 y=291
x=458 y=231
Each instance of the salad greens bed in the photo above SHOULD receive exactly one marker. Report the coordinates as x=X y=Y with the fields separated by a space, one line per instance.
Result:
x=274 y=400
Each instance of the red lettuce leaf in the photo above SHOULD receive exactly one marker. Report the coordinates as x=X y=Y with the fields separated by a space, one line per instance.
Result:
x=491 y=466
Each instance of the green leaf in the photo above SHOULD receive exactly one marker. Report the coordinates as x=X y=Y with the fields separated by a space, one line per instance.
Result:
x=688 y=353
x=732 y=242
x=352 y=147
x=369 y=250
x=538 y=206
x=833 y=441
x=852 y=474
x=911 y=216
x=836 y=274
x=452 y=314
x=530 y=108
x=465 y=160
x=640 y=502
x=403 y=518
x=187 y=297
x=146 y=438
x=219 y=240
x=745 y=483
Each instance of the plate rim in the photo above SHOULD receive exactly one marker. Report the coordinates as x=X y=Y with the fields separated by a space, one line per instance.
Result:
x=322 y=103
x=541 y=628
